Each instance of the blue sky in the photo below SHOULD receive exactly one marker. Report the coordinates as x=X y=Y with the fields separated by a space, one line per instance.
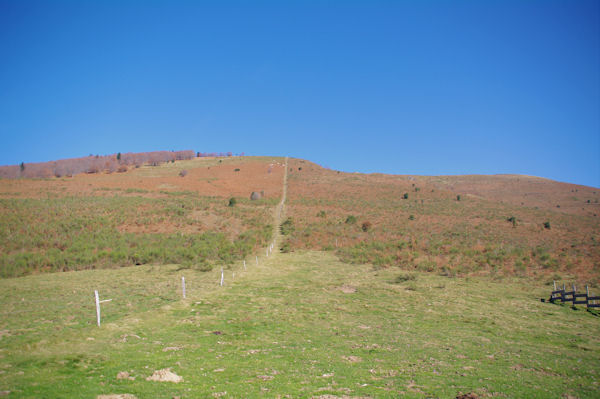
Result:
x=421 y=87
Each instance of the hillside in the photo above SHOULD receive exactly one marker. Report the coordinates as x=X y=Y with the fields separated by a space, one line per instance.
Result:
x=455 y=225
x=452 y=224
x=435 y=296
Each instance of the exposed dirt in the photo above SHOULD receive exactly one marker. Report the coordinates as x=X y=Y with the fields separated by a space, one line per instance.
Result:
x=165 y=375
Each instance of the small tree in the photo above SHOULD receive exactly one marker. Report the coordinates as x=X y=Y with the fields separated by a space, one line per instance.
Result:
x=22 y=166
x=405 y=196
x=232 y=201
x=458 y=197
x=547 y=225
x=119 y=156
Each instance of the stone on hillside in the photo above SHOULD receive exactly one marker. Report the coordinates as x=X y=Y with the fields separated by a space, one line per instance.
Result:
x=255 y=195
x=164 y=375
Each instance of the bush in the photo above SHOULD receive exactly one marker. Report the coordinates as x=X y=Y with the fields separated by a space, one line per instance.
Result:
x=287 y=227
x=286 y=247
x=513 y=220
x=321 y=214
x=236 y=170
x=183 y=173
x=351 y=219
x=411 y=217
x=232 y=201
x=458 y=197
x=405 y=196
x=404 y=277
x=366 y=226
x=547 y=225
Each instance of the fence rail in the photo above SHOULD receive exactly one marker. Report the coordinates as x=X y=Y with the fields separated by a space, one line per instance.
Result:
x=574 y=298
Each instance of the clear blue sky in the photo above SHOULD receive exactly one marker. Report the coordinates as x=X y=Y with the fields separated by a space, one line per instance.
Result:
x=420 y=87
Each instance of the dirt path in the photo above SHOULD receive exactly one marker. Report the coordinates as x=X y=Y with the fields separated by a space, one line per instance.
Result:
x=279 y=213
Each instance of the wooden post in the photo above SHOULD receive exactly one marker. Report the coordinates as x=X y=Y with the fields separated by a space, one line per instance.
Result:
x=222 y=277
x=244 y=264
x=256 y=260
x=553 y=281
x=183 y=286
x=97 y=307
x=574 y=289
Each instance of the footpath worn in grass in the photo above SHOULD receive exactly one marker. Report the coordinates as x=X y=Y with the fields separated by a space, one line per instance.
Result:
x=301 y=324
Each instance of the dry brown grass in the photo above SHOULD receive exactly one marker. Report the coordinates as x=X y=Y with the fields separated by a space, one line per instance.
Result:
x=436 y=232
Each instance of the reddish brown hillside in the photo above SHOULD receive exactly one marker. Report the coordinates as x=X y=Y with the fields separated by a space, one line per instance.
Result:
x=366 y=218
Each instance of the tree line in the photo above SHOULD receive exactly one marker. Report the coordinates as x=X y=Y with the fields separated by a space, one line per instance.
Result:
x=119 y=162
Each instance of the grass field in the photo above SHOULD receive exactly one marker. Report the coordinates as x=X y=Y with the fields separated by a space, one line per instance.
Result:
x=301 y=324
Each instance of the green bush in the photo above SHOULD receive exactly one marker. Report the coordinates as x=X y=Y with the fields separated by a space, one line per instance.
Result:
x=351 y=219
x=232 y=201
x=287 y=227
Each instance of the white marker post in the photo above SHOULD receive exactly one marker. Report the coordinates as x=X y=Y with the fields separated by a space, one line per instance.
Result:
x=97 y=307
x=256 y=260
x=222 y=277
x=244 y=264
x=98 y=302
x=183 y=286
x=233 y=277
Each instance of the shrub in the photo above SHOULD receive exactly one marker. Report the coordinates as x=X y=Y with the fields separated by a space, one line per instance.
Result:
x=458 y=197
x=232 y=201
x=122 y=169
x=286 y=247
x=366 y=226
x=22 y=166
x=183 y=173
x=547 y=225
x=236 y=170
x=321 y=214
x=351 y=219
x=411 y=217
x=405 y=196
x=287 y=226
x=404 y=277
x=513 y=220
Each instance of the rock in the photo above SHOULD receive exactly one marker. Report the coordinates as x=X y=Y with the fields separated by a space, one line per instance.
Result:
x=255 y=195
x=164 y=375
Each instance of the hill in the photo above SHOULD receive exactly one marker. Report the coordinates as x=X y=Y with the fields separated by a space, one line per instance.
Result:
x=435 y=296
x=455 y=225
x=507 y=225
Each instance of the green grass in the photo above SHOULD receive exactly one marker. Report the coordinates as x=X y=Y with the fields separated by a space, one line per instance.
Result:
x=86 y=232
x=302 y=324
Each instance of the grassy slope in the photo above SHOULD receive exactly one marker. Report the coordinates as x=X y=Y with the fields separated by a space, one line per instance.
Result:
x=148 y=215
x=431 y=230
x=288 y=327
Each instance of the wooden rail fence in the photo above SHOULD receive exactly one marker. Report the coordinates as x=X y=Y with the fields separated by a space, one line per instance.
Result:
x=573 y=297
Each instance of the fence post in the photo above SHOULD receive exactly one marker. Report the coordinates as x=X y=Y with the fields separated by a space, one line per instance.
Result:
x=256 y=260
x=244 y=264
x=222 y=277
x=553 y=281
x=97 y=307
x=183 y=286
